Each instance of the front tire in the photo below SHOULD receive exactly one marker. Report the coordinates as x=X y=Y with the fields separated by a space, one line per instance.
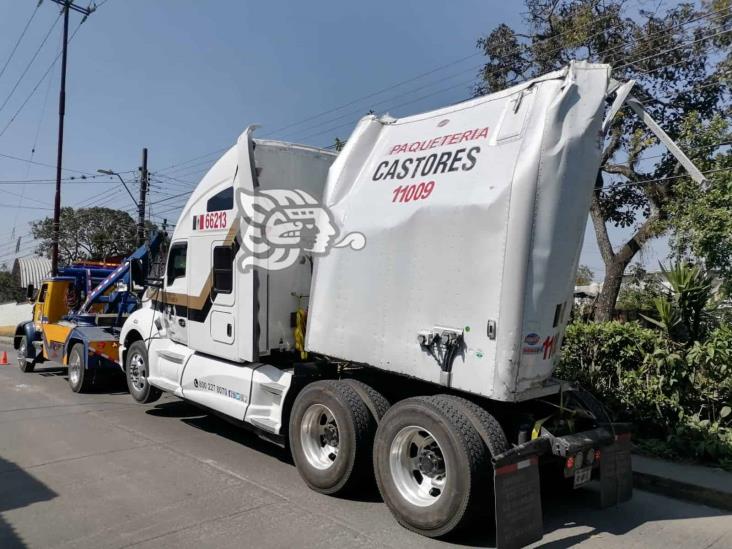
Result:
x=80 y=378
x=428 y=460
x=136 y=371
x=331 y=431
x=26 y=365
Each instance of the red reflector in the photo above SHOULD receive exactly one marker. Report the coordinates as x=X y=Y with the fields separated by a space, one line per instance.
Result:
x=570 y=462
x=597 y=455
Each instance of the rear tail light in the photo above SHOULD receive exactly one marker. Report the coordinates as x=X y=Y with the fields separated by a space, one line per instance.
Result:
x=597 y=455
x=570 y=463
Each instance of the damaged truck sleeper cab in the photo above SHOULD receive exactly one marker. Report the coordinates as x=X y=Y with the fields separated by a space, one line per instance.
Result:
x=434 y=261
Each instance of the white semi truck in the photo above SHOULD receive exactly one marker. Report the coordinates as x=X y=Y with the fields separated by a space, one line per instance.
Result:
x=396 y=312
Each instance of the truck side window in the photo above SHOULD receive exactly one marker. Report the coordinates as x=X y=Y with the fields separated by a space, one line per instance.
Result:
x=177 y=261
x=223 y=269
x=42 y=294
x=223 y=200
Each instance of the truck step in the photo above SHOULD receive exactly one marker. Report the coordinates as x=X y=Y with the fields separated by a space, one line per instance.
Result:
x=274 y=388
x=264 y=423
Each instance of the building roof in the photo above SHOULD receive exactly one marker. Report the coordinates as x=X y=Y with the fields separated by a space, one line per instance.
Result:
x=31 y=269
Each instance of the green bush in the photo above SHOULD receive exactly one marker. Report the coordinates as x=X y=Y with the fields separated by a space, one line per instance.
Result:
x=678 y=396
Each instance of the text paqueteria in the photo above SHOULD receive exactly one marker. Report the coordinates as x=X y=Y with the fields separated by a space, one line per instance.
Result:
x=462 y=159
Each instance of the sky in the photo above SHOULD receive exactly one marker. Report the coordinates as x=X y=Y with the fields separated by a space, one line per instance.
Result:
x=184 y=78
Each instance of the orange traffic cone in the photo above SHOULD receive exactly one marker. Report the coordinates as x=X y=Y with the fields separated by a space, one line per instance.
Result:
x=4 y=359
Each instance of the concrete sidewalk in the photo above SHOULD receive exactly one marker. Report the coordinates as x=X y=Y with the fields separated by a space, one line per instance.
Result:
x=706 y=485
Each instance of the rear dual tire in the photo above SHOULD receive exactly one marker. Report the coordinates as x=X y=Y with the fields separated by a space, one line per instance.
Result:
x=432 y=465
x=331 y=435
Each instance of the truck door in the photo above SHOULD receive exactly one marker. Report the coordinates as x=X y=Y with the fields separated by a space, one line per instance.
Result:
x=223 y=296
x=39 y=305
x=175 y=298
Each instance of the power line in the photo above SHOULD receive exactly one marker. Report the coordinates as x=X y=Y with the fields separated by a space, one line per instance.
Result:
x=713 y=15
x=35 y=88
x=30 y=63
x=605 y=54
x=20 y=38
x=659 y=180
x=11 y=157
x=388 y=88
x=663 y=52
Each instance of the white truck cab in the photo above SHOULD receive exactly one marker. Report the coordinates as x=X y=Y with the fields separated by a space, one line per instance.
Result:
x=209 y=324
x=396 y=312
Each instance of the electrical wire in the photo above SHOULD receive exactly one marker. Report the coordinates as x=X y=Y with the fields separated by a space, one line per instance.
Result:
x=38 y=84
x=30 y=63
x=388 y=88
x=20 y=38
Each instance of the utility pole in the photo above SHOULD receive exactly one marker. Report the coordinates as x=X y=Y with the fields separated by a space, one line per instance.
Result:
x=141 y=202
x=68 y=5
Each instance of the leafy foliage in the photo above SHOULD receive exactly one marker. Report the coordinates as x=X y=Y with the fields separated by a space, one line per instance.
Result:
x=9 y=289
x=701 y=217
x=585 y=275
x=681 y=62
x=88 y=233
x=684 y=314
x=678 y=397
x=639 y=291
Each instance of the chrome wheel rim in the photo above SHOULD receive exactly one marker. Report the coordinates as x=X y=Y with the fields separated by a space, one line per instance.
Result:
x=22 y=352
x=138 y=371
x=319 y=436
x=417 y=466
x=74 y=369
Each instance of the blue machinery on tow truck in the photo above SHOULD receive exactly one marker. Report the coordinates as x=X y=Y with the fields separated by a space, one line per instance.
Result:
x=77 y=315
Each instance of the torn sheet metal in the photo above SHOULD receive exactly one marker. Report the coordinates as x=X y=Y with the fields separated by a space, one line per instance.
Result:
x=474 y=216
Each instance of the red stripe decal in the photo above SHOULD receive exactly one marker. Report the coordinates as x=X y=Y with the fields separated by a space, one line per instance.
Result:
x=506 y=469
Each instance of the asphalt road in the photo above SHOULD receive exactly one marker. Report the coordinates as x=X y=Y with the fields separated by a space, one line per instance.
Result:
x=99 y=470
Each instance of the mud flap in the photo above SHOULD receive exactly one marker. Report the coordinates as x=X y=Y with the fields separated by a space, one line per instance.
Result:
x=518 y=501
x=616 y=472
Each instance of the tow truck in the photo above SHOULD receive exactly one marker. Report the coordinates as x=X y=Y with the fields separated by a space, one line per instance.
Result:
x=78 y=314
x=436 y=256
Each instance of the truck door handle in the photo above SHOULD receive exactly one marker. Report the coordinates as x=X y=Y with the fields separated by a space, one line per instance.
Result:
x=228 y=330
x=181 y=322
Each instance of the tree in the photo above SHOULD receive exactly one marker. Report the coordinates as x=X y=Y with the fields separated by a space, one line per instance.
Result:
x=701 y=217
x=88 y=233
x=9 y=289
x=585 y=275
x=678 y=57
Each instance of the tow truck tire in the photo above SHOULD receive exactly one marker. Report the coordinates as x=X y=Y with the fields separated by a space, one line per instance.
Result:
x=428 y=459
x=331 y=435
x=80 y=378
x=26 y=366
x=136 y=371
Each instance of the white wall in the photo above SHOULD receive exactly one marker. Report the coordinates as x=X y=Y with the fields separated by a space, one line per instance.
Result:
x=14 y=313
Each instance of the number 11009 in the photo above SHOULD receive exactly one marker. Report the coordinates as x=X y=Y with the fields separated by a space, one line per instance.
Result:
x=408 y=193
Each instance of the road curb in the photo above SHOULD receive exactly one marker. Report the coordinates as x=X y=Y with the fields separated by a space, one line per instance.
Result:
x=682 y=490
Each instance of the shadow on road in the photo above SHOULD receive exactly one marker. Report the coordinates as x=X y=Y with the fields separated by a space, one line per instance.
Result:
x=17 y=489
x=563 y=509
x=580 y=509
